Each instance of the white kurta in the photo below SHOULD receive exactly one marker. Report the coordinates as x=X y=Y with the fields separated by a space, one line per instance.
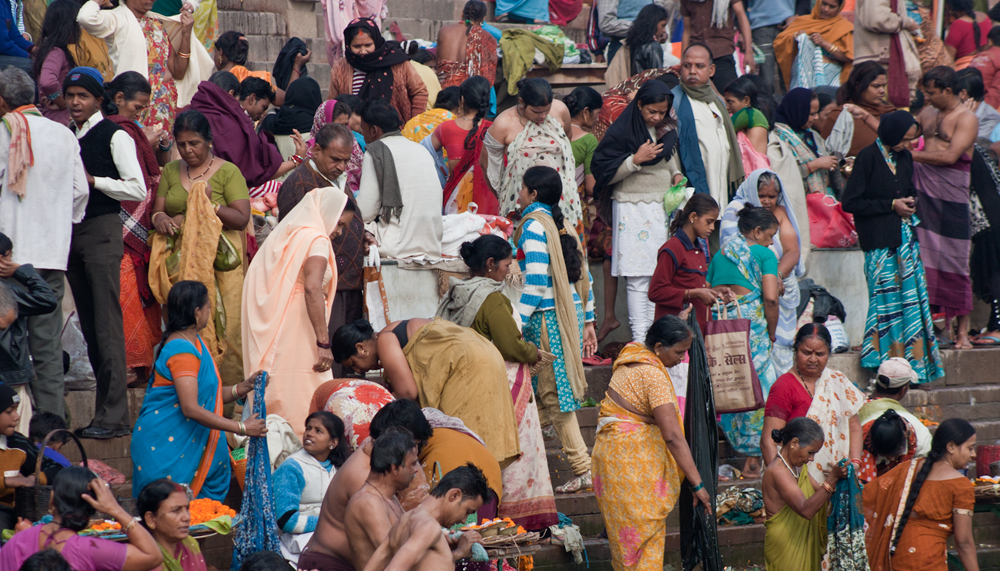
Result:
x=417 y=231
x=714 y=146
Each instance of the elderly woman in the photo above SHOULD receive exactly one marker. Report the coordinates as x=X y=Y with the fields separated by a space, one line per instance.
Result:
x=763 y=188
x=634 y=166
x=824 y=31
x=796 y=529
x=163 y=49
x=373 y=68
x=822 y=394
x=640 y=447
x=747 y=267
x=77 y=495
x=289 y=293
x=854 y=125
x=881 y=195
x=440 y=365
x=163 y=510
x=302 y=479
x=224 y=216
x=185 y=387
x=479 y=303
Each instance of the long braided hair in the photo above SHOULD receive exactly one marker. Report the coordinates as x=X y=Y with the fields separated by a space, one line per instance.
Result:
x=952 y=431
x=475 y=93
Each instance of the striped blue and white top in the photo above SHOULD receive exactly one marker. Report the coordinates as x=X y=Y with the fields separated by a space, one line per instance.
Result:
x=533 y=259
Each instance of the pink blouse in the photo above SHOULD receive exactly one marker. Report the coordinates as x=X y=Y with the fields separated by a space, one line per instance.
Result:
x=82 y=553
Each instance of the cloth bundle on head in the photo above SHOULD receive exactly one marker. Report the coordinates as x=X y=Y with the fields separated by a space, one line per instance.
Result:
x=8 y=397
x=302 y=100
x=794 y=108
x=624 y=137
x=87 y=78
x=376 y=64
x=895 y=372
x=893 y=126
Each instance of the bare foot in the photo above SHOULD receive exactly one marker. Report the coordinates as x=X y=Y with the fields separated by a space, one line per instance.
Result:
x=609 y=325
x=963 y=342
x=752 y=468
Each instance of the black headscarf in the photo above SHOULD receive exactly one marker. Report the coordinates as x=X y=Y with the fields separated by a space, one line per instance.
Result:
x=892 y=127
x=623 y=138
x=282 y=70
x=301 y=101
x=794 y=112
x=377 y=64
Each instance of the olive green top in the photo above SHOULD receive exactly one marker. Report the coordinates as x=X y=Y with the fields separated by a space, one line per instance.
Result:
x=227 y=184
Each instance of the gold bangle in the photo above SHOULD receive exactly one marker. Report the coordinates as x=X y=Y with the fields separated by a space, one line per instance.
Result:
x=243 y=428
x=236 y=394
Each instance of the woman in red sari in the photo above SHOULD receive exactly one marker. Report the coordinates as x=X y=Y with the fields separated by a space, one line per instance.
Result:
x=466 y=49
x=467 y=182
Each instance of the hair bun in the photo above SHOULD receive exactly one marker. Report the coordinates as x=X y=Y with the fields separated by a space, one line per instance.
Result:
x=570 y=100
x=776 y=435
x=466 y=250
x=747 y=209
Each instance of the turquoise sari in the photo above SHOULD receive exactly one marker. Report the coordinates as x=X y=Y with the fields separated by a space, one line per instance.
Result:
x=166 y=444
x=743 y=428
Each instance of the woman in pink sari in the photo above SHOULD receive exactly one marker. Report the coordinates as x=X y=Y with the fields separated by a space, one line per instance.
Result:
x=478 y=303
x=749 y=122
x=287 y=298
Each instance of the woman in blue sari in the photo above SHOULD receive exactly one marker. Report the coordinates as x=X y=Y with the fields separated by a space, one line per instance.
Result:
x=750 y=269
x=764 y=188
x=185 y=386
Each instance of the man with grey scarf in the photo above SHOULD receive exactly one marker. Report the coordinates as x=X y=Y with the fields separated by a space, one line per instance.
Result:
x=400 y=196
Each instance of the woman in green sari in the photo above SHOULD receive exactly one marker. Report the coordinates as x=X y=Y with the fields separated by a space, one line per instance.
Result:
x=796 y=534
x=746 y=266
x=163 y=510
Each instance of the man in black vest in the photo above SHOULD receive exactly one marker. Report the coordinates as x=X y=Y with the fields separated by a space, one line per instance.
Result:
x=94 y=269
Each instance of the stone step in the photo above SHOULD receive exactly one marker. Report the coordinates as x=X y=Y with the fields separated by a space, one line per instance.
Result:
x=427 y=9
x=252 y=24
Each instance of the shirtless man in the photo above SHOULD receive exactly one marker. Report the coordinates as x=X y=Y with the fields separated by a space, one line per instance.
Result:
x=374 y=509
x=329 y=549
x=941 y=176
x=417 y=541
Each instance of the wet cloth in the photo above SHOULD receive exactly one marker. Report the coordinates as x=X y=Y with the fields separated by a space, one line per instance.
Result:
x=836 y=30
x=743 y=428
x=480 y=59
x=460 y=373
x=923 y=542
x=546 y=145
x=277 y=332
x=165 y=443
x=518 y=46
x=636 y=479
x=945 y=234
x=845 y=544
x=793 y=542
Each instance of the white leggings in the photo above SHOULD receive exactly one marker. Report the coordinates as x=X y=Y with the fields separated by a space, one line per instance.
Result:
x=640 y=309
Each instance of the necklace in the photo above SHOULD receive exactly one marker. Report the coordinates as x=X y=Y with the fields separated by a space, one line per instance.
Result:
x=798 y=376
x=187 y=170
x=786 y=465
x=388 y=503
x=940 y=118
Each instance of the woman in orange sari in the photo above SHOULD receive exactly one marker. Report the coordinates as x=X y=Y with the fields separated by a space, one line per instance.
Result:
x=287 y=297
x=825 y=30
x=913 y=509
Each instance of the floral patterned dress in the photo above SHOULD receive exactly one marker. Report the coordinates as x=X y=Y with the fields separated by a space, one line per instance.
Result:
x=163 y=100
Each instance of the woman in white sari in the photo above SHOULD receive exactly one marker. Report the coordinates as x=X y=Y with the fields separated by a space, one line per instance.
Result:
x=764 y=188
x=820 y=393
x=478 y=303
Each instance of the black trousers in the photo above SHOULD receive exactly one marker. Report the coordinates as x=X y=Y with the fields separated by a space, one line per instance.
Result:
x=94 y=275
x=725 y=72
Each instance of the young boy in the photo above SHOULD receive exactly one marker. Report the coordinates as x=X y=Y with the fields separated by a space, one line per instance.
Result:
x=17 y=457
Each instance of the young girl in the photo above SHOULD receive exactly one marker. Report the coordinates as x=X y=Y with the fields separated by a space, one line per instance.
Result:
x=749 y=122
x=682 y=264
x=557 y=309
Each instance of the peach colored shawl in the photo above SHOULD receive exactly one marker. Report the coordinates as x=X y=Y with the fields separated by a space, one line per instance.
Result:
x=274 y=272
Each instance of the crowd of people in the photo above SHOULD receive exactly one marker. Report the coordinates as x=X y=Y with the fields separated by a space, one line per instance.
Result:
x=208 y=239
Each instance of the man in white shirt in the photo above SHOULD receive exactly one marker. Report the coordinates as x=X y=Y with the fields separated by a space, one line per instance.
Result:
x=40 y=200
x=94 y=270
x=400 y=196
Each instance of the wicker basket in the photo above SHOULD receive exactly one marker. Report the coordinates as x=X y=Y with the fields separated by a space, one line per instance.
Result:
x=239 y=470
x=32 y=502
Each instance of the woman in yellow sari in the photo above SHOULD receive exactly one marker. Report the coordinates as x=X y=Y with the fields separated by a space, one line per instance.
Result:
x=201 y=198
x=796 y=532
x=640 y=454
x=824 y=30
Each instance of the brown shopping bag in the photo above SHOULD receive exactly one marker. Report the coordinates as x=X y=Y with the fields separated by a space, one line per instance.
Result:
x=730 y=362
x=376 y=303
